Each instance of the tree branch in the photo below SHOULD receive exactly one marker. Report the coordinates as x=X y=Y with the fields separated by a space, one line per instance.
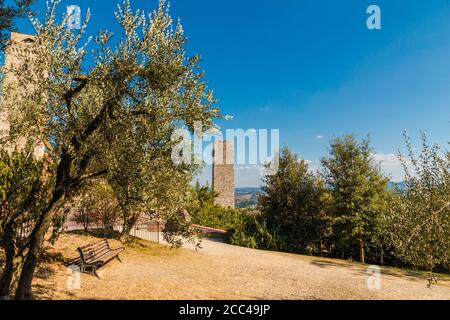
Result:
x=93 y=175
x=417 y=229
x=72 y=92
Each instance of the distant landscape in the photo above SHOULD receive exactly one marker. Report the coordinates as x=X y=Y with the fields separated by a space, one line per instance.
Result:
x=396 y=185
x=248 y=197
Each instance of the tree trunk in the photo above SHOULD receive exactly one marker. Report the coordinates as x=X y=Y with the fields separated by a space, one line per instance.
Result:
x=124 y=237
x=8 y=271
x=64 y=185
x=125 y=234
x=86 y=224
x=10 y=276
x=13 y=251
x=321 y=248
x=12 y=267
x=37 y=237
x=361 y=251
x=127 y=226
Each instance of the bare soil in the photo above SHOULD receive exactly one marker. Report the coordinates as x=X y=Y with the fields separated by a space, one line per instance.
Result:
x=222 y=271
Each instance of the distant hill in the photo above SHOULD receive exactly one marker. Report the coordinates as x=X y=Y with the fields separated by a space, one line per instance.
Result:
x=247 y=197
x=396 y=185
x=248 y=190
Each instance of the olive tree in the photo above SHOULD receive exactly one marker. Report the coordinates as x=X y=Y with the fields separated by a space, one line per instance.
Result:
x=420 y=219
x=113 y=118
x=96 y=206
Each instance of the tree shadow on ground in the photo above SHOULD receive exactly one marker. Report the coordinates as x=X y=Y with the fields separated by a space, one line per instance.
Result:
x=131 y=242
x=45 y=270
x=98 y=233
x=327 y=263
x=47 y=291
x=43 y=292
x=134 y=242
x=361 y=269
x=217 y=238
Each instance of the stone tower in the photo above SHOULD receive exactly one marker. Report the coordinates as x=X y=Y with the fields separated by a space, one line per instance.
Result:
x=223 y=173
x=19 y=47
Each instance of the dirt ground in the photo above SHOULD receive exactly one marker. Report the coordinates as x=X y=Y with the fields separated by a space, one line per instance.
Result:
x=222 y=271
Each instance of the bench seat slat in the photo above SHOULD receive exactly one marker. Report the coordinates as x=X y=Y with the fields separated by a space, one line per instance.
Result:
x=104 y=256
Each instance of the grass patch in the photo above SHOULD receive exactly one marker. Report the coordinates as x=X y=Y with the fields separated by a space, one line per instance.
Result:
x=144 y=247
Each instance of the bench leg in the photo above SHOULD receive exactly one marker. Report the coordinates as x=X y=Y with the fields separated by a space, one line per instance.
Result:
x=95 y=273
x=118 y=258
x=91 y=270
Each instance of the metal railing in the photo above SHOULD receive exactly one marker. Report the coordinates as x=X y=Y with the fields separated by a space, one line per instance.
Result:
x=145 y=229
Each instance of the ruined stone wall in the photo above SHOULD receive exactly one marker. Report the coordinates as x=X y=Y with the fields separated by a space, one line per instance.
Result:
x=223 y=173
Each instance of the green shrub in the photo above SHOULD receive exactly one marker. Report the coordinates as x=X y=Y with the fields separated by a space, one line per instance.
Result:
x=244 y=227
x=252 y=231
x=216 y=217
x=205 y=213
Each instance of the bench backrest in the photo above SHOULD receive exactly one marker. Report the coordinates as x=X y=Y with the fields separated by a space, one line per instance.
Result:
x=92 y=251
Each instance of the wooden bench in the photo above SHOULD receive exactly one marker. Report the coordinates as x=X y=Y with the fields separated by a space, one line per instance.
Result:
x=94 y=256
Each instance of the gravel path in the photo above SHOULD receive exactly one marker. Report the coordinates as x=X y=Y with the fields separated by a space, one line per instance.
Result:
x=222 y=271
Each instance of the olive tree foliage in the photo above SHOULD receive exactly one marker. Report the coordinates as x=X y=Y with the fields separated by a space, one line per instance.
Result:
x=20 y=191
x=9 y=13
x=96 y=206
x=113 y=119
x=420 y=217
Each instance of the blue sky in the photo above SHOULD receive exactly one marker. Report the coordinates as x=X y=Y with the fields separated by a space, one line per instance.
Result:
x=312 y=69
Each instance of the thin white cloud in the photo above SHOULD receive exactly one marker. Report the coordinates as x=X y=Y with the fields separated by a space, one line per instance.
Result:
x=320 y=137
x=391 y=165
x=387 y=159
